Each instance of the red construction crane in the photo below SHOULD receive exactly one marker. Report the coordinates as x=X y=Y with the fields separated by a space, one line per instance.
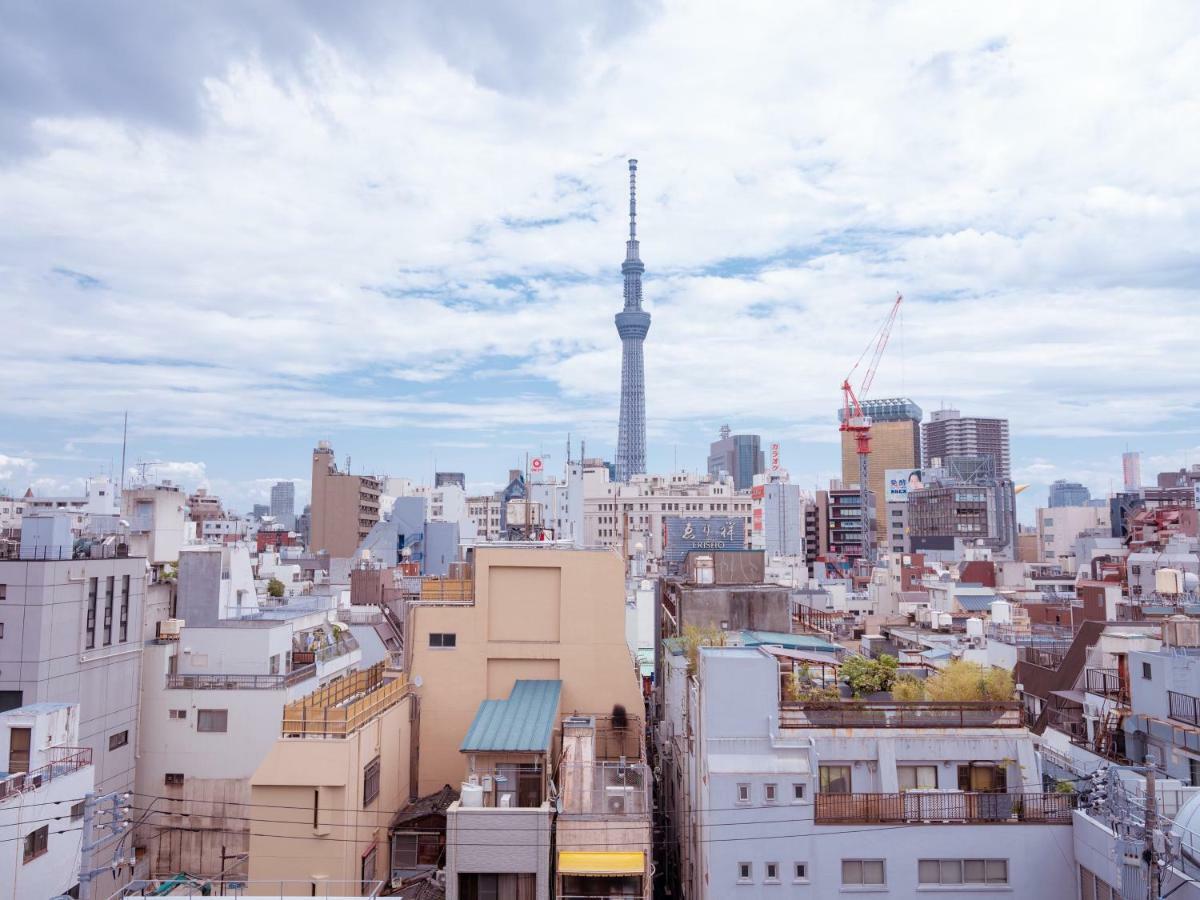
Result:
x=859 y=424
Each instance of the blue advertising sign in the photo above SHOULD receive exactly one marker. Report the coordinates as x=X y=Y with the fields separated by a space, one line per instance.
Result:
x=683 y=534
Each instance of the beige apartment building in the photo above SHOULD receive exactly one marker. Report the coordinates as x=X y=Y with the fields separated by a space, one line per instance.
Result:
x=344 y=507
x=330 y=786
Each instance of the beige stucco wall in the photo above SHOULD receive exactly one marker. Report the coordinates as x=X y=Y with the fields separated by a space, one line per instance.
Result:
x=282 y=790
x=538 y=613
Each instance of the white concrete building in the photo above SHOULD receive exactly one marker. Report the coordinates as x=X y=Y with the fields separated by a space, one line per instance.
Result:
x=773 y=799
x=1060 y=526
x=45 y=777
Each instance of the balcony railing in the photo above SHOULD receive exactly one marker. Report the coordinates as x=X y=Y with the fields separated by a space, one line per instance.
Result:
x=900 y=714
x=1045 y=657
x=936 y=807
x=63 y=761
x=1184 y=708
x=226 y=682
x=343 y=706
x=605 y=789
x=1105 y=682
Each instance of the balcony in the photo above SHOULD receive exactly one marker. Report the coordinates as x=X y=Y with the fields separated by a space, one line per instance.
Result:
x=343 y=706
x=605 y=789
x=63 y=761
x=1104 y=682
x=1183 y=708
x=900 y=714
x=950 y=807
x=229 y=682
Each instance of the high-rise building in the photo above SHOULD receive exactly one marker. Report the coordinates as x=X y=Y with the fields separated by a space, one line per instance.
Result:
x=895 y=444
x=283 y=503
x=345 y=507
x=1068 y=493
x=736 y=455
x=632 y=325
x=1131 y=469
x=949 y=434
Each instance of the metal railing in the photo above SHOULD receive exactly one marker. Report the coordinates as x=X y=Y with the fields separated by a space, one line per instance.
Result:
x=1045 y=657
x=63 y=761
x=229 y=886
x=1105 y=682
x=900 y=714
x=935 y=807
x=345 y=705
x=605 y=789
x=1183 y=708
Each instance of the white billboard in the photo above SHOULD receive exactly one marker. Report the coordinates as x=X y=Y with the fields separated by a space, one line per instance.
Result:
x=898 y=482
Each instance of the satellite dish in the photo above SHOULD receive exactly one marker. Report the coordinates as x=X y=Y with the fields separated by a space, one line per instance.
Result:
x=417 y=681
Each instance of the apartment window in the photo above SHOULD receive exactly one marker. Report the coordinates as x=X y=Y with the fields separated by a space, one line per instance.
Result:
x=3 y=592
x=1 y=630
x=1147 y=672
x=743 y=793
x=177 y=713
x=93 y=587
x=212 y=720
x=120 y=739
x=797 y=793
x=371 y=782
x=124 y=620
x=368 y=871
x=917 y=778
x=982 y=778
x=444 y=640
x=772 y=871
x=800 y=872
x=77 y=811
x=770 y=792
x=745 y=871
x=1194 y=771
x=109 y=590
x=962 y=871
x=865 y=872
x=416 y=850
x=174 y=779
x=835 y=779
x=273 y=666
x=36 y=843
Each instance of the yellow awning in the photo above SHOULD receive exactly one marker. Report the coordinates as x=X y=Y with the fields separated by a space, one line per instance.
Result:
x=606 y=862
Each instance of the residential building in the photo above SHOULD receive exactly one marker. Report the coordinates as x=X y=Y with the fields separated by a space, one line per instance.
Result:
x=623 y=516
x=72 y=633
x=530 y=669
x=44 y=778
x=1060 y=526
x=332 y=781
x=203 y=506
x=738 y=456
x=777 y=513
x=766 y=794
x=895 y=444
x=1068 y=493
x=484 y=512
x=97 y=505
x=948 y=435
x=283 y=503
x=345 y=507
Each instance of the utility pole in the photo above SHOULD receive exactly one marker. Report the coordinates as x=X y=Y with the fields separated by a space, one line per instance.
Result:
x=1149 y=837
x=111 y=805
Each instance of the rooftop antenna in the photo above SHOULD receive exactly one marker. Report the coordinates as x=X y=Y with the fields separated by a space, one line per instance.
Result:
x=124 y=438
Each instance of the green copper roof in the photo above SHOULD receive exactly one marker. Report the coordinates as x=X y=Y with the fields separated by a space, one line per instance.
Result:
x=522 y=723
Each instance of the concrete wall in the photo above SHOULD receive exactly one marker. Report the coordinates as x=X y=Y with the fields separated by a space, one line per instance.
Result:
x=489 y=840
x=198 y=586
x=758 y=607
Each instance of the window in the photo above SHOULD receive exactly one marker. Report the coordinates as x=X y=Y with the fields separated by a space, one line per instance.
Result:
x=835 y=779
x=416 y=850
x=371 y=782
x=174 y=779
x=368 y=871
x=177 y=713
x=36 y=843
x=745 y=873
x=3 y=592
x=1 y=629
x=982 y=778
x=124 y=620
x=800 y=872
x=212 y=720
x=917 y=778
x=1194 y=771
x=93 y=587
x=109 y=591
x=863 y=871
x=772 y=871
x=797 y=792
x=770 y=792
x=77 y=811
x=273 y=667
x=445 y=640
x=1146 y=671
x=120 y=739
x=743 y=793
x=962 y=871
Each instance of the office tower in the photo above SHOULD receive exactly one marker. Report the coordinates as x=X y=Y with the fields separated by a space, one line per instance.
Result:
x=283 y=503
x=737 y=455
x=1131 y=467
x=632 y=324
x=1068 y=493
x=948 y=434
x=895 y=444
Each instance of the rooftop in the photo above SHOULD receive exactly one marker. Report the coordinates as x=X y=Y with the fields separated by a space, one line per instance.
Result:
x=345 y=705
x=522 y=723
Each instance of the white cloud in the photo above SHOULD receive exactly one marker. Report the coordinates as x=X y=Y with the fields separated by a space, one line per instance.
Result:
x=13 y=467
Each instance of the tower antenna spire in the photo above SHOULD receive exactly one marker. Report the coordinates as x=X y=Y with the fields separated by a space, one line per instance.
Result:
x=633 y=200
x=632 y=323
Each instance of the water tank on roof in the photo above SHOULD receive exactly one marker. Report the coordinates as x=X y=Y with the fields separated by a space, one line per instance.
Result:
x=944 y=621
x=471 y=794
x=1001 y=612
x=974 y=627
x=1168 y=581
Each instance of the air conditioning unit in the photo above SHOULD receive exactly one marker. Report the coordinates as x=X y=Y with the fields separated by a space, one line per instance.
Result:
x=579 y=722
x=619 y=799
x=170 y=627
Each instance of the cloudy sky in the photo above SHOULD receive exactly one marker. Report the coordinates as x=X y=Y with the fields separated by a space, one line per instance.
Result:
x=399 y=227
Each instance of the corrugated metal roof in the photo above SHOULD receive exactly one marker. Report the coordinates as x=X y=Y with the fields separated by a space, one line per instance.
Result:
x=791 y=641
x=523 y=722
x=976 y=604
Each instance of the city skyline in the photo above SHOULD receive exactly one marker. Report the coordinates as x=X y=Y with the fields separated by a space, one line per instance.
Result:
x=231 y=254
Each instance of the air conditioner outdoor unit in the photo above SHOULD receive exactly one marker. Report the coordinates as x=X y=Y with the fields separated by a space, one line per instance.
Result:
x=579 y=722
x=170 y=627
x=619 y=798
